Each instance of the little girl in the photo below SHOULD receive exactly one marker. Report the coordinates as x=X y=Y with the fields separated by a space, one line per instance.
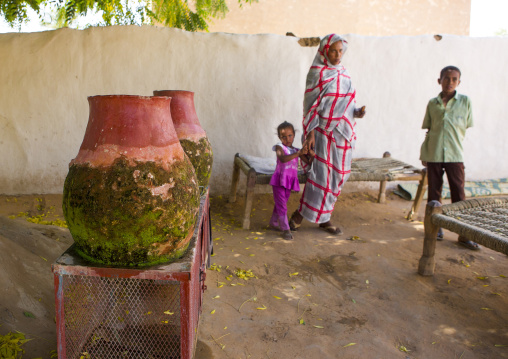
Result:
x=285 y=177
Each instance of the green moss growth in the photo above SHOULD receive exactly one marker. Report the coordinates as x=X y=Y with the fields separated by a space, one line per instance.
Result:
x=116 y=220
x=201 y=157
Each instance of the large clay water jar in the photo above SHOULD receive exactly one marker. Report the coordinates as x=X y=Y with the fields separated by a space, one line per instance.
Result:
x=131 y=196
x=190 y=133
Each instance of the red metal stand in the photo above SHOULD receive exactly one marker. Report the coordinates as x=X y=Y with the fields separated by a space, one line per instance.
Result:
x=104 y=312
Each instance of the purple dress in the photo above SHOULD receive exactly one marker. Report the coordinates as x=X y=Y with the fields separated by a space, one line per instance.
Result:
x=284 y=180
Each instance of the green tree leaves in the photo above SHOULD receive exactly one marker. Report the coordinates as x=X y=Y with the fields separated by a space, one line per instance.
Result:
x=191 y=15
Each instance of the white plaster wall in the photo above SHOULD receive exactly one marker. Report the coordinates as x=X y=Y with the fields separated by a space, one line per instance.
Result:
x=244 y=85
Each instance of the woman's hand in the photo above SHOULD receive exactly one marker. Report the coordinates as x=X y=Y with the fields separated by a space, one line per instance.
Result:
x=310 y=141
x=359 y=112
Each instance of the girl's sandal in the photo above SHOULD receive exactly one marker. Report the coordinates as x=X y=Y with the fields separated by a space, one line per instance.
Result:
x=287 y=235
x=330 y=228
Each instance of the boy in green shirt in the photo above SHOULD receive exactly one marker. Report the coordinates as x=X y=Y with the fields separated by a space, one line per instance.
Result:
x=447 y=117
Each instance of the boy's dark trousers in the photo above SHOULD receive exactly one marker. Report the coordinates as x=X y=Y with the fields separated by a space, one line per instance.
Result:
x=456 y=178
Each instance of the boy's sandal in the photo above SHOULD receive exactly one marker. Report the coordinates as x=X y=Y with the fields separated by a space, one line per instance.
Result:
x=440 y=234
x=470 y=245
x=330 y=228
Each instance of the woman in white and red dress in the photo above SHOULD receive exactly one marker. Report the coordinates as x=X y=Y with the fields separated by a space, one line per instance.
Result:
x=328 y=126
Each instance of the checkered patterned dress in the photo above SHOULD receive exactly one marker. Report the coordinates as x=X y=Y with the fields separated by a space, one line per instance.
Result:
x=329 y=106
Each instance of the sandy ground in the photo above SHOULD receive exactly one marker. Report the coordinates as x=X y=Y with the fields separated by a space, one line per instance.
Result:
x=320 y=296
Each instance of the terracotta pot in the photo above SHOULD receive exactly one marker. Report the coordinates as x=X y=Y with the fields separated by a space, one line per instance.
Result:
x=131 y=195
x=190 y=133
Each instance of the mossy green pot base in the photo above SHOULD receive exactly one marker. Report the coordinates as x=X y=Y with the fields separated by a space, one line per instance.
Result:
x=131 y=215
x=201 y=156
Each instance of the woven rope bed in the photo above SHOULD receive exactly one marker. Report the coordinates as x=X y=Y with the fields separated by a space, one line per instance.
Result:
x=482 y=220
x=381 y=170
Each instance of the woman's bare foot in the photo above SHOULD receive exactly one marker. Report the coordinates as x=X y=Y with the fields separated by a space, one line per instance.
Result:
x=330 y=228
x=295 y=221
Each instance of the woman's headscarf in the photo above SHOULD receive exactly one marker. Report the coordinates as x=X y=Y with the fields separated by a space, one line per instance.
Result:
x=329 y=94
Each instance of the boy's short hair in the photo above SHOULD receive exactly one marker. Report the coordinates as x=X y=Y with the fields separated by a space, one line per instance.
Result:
x=449 y=68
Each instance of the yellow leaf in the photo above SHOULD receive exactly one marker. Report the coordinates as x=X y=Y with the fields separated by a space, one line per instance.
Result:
x=164 y=322
x=261 y=308
x=367 y=281
x=348 y=345
x=148 y=313
x=502 y=276
x=293 y=274
x=318 y=326
x=225 y=328
x=277 y=297
x=500 y=345
x=212 y=312
x=168 y=312
x=482 y=278
x=212 y=255
x=259 y=233
x=308 y=295
x=487 y=309
x=486 y=285
x=302 y=321
x=217 y=296
x=293 y=287
x=449 y=280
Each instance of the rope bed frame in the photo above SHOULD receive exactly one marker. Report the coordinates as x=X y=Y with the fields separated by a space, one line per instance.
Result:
x=362 y=169
x=482 y=220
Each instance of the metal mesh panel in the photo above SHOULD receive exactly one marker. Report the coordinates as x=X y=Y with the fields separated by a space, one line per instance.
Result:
x=121 y=317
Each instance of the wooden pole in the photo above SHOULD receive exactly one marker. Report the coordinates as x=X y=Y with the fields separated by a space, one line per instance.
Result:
x=422 y=188
x=382 y=186
x=427 y=262
x=234 y=181
x=249 y=197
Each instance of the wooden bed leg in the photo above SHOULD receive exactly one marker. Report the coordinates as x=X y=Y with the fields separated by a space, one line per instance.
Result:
x=249 y=197
x=382 y=186
x=427 y=262
x=234 y=182
x=422 y=187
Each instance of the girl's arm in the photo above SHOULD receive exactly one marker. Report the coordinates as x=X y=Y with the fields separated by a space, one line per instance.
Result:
x=283 y=157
